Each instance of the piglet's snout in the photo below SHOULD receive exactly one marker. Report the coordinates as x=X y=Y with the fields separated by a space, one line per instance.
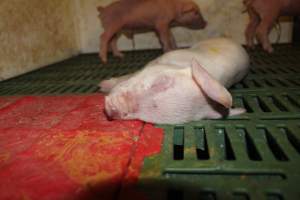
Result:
x=110 y=115
x=110 y=111
x=198 y=24
x=204 y=24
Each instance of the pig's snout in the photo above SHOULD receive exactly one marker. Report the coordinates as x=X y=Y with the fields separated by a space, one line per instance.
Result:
x=198 y=23
x=110 y=110
x=110 y=115
x=203 y=24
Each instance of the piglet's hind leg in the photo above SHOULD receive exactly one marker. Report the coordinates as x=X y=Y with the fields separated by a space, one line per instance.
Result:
x=114 y=47
x=264 y=28
x=214 y=114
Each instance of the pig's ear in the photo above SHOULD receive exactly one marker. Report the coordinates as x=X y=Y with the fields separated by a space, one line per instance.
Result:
x=189 y=7
x=211 y=87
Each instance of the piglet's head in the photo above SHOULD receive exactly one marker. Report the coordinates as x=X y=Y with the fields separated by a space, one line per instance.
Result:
x=189 y=15
x=111 y=110
x=120 y=105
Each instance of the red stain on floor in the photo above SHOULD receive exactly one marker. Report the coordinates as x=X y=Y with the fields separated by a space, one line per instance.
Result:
x=64 y=148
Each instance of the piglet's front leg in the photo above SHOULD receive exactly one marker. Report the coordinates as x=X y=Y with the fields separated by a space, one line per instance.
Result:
x=164 y=35
x=105 y=39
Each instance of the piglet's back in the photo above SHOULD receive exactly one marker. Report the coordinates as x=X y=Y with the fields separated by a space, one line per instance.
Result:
x=116 y=11
x=134 y=11
x=226 y=60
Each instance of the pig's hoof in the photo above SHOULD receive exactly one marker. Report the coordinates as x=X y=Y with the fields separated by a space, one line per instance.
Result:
x=103 y=58
x=270 y=50
x=119 y=55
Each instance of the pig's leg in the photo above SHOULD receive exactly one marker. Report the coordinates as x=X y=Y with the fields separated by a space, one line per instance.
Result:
x=251 y=28
x=114 y=47
x=264 y=28
x=173 y=41
x=105 y=38
x=216 y=114
x=164 y=33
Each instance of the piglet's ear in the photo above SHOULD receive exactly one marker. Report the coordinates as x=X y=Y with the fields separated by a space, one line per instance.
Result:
x=212 y=88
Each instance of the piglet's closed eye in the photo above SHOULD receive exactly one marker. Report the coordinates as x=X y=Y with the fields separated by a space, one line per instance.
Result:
x=212 y=88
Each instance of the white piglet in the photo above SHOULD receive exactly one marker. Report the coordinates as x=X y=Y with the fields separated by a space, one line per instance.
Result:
x=180 y=86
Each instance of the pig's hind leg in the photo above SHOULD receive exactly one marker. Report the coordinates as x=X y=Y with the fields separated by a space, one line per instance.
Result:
x=217 y=114
x=267 y=21
x=114 y=47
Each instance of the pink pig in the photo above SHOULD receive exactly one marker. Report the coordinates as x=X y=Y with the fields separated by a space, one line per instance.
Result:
x=129 y=16
x=180 y=86
x=263 y=14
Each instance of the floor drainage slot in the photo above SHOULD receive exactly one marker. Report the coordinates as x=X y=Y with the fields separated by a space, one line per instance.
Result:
x=268 y=83
x=175 y=194
x=229 y=154
x=240 y=196
x=292 y=101
x=278 y=104
x=178 y=143
x=252 y=151
x=256 y=83
x=201 y=144
x=274 y=197
x=245 y=104
x=294 y=82
x=282 y=83
x=207 y=196
x=263 y=106
x=273 y=145
x=292 y=138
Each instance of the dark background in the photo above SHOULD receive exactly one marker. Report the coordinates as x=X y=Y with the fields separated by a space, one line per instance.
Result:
x=296 y=31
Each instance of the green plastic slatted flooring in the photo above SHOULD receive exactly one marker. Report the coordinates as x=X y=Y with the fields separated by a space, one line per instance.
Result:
x=252 y=156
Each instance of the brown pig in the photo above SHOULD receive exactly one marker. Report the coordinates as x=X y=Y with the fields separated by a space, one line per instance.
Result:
x=263 y=14
x=131 y=16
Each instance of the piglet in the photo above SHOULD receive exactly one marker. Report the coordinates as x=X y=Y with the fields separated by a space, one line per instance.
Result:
x=263 y=14
x=131 y=16
x=180 y=86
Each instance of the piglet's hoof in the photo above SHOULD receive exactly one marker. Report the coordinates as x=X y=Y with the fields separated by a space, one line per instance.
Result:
x=119 y=55
x=103 y=58
x=269 y=50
